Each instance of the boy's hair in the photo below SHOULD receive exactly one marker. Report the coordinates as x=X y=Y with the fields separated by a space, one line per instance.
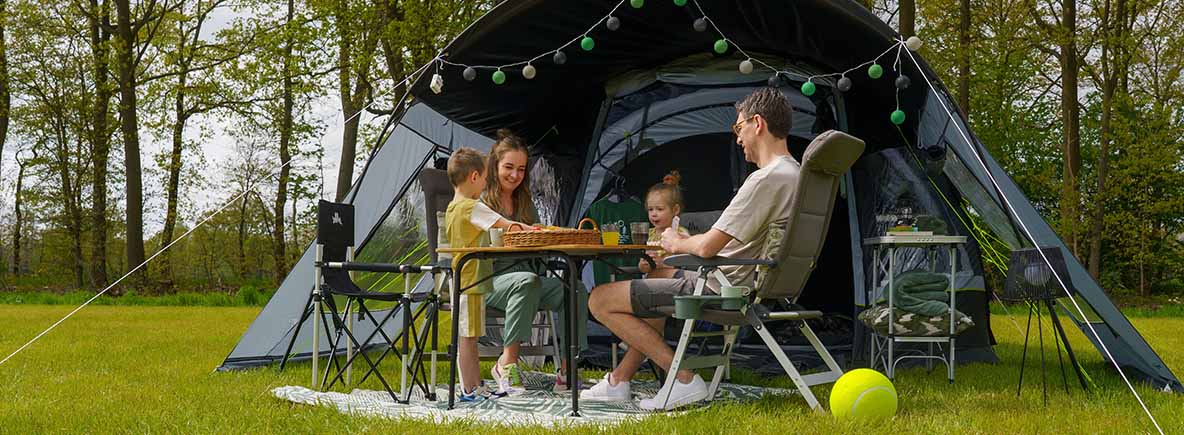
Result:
x=463 y=162
x=772 y=106
x=669 y=186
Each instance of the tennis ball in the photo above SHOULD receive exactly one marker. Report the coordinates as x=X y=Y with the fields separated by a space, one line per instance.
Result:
x=863 y=394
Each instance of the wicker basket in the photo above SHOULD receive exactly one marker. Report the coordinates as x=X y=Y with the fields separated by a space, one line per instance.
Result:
x=576 y=236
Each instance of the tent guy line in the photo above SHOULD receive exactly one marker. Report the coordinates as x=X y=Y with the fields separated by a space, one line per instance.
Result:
x=271 y=174
x=1028 y=233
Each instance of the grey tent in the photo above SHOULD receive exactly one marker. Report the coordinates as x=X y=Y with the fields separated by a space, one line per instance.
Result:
x=648 y=98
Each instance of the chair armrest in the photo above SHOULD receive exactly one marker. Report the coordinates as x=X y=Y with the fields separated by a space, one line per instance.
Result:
x=688 y=261
x=378 y=267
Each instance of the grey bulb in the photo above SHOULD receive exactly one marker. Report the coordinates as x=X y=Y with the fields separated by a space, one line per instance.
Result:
x=613 y=23
x=470 y=73
x=701 y=25
x=844 y=84
x=559 y=58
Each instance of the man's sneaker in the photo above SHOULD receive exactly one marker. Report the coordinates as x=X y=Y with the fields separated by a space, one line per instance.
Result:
x=509 y=379
x=604 y=391
x=680 y=395
x=561 y=383
x=478 y=394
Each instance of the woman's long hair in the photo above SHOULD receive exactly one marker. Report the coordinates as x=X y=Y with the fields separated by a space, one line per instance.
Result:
x=523 y=203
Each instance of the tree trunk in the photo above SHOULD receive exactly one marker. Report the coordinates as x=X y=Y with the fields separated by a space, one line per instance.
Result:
x=129 y=124
x=99 y=20
x=964 y=58
x=351 y=72
x=242 y=234
x=5 y=95
x=281 y=195
x=908 y=18
x=1113 y=66
x=69 y=191
x=1070 y=113
x=18 y=218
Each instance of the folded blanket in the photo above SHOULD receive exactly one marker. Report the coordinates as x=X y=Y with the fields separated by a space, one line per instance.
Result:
x=922 y=292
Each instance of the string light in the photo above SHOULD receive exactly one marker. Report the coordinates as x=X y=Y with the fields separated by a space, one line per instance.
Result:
x=745 y=66
x=913 y=43
x=875 y=71
x=722 y=45
x=808 y=88
x=613 y=23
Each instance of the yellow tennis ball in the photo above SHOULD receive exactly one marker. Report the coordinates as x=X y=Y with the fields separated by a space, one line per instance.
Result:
x=863 y=394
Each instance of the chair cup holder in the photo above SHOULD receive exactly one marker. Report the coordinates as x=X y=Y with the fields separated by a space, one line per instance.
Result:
x=691 y=307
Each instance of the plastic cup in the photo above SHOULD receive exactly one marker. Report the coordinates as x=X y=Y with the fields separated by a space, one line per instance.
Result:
x=495 y=237
x=640 y=232
x=610 y=234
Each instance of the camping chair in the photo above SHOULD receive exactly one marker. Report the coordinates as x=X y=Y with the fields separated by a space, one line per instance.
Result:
x=780 y=278
x=437 y=191
x=334 y=261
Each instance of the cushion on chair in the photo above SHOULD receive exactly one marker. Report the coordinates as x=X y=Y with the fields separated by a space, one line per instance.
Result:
x=914 y=325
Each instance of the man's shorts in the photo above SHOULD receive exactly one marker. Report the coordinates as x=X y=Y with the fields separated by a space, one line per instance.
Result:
x=648 y=295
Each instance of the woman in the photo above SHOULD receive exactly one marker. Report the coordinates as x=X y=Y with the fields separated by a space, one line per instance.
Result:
x=521 y=291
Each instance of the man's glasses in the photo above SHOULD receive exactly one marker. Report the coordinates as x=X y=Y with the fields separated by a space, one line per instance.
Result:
x=737 y=126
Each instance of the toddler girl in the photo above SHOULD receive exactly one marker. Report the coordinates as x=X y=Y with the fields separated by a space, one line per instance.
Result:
x=663 y=203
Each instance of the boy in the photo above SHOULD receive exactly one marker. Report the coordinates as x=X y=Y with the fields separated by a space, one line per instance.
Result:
x=466 y=223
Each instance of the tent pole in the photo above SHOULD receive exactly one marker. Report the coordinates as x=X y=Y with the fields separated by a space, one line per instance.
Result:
x=316 y=318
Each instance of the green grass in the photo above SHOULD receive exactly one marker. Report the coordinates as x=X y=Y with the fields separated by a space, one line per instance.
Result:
x=150 y=369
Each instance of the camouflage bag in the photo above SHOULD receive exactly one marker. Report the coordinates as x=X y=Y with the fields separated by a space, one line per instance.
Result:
x=912 y=324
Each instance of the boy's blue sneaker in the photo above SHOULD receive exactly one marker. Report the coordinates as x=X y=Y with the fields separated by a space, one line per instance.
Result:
x=478 y=394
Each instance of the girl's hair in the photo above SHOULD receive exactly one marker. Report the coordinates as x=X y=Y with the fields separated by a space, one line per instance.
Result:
x=669 y=186
x=523 y=204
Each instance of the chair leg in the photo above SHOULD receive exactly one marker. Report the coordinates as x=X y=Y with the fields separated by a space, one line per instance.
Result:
x=680 y=352
x=821 y=349
x=787 y=365
x=722 y=371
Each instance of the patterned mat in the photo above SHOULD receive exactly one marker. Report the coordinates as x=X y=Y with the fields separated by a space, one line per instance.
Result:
x=538 y=405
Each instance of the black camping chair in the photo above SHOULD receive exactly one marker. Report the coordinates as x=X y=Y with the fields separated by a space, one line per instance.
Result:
x=334 y=261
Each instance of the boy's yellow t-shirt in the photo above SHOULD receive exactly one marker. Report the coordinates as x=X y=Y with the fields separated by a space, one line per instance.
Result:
x=462 y=233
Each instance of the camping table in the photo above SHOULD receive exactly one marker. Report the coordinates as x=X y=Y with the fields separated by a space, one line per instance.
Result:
x=891 y=244
x=571 y=255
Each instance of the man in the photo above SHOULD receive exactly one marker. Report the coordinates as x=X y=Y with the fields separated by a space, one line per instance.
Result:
x=630 y=308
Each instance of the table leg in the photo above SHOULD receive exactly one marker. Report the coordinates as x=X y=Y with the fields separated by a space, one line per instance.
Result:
x=453 y=347
x=573 y=345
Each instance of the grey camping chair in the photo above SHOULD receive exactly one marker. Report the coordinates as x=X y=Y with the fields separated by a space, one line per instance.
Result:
x=781 y=277
x=437 y=191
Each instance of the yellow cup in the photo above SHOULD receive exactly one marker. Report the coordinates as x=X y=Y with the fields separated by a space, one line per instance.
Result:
x=610 y=238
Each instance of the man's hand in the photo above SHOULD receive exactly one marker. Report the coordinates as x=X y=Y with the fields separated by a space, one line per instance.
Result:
x=670 y=239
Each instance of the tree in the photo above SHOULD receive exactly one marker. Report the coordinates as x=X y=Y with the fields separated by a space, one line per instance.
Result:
x=281 y=195
x=353 y=27
x=5 y=94
x=129 y=51
x=964 y=58
x=908 y=18
x=98 y=24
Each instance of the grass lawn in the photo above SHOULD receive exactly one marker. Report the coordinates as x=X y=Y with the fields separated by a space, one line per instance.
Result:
x=150 y=369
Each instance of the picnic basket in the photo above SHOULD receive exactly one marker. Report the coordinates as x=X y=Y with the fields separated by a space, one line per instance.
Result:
x=564 y=236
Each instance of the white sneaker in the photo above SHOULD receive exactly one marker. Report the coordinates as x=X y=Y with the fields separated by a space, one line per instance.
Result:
x=680 y=395
x=605 y=391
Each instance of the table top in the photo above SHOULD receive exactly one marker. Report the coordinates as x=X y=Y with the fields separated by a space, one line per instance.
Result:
x=910 y=240
x=567 y=249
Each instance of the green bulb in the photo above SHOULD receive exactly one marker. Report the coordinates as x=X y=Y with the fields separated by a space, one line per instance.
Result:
x=637 y=4
x=680 y=2
x=897 y=117
x=875 y=71
x=499 y=77
x=721 y=46
x=587 y=43
x=808 y=88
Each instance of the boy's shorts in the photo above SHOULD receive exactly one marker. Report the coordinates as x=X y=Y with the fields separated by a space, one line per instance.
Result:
x=472 y=314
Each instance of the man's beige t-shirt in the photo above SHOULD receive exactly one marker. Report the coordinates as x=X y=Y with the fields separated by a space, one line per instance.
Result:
x=762 y=202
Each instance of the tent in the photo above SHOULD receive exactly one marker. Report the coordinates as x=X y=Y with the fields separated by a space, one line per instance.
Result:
x=652 y=96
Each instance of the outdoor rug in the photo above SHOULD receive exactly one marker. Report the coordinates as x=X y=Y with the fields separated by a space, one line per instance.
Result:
x=537 y=406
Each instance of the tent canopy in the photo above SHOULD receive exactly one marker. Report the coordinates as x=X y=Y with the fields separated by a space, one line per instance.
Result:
x=565 y=112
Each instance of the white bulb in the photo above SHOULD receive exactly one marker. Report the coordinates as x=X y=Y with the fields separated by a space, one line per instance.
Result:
x=437 y=83
x=913 y=43
x=528 y=71
x=746 y=67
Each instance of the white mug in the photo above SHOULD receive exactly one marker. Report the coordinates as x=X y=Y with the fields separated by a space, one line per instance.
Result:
x=495 y=237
